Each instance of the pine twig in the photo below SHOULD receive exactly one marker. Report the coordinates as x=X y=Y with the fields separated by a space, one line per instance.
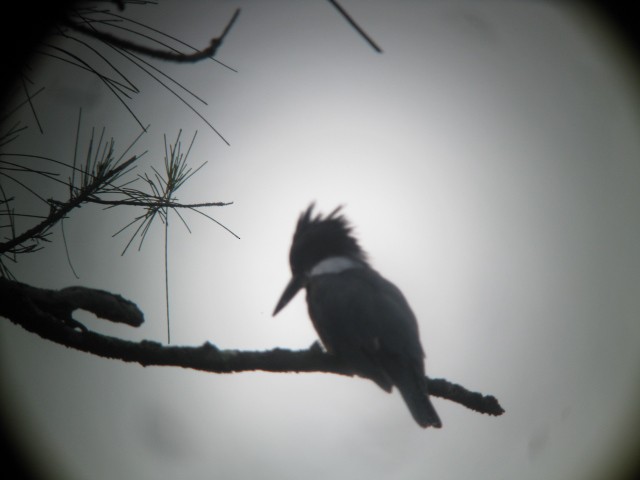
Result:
x=118 y=42
x=357 y=27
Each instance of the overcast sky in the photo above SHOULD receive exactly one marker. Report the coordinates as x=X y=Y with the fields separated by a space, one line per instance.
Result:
x=489 y=161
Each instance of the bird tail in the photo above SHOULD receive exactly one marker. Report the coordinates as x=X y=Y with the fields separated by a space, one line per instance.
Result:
x=413 y=389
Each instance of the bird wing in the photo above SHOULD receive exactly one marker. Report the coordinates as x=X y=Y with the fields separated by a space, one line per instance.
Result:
x=364 y=318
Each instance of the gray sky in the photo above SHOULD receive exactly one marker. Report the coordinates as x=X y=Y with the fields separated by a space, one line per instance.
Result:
x=489 y=162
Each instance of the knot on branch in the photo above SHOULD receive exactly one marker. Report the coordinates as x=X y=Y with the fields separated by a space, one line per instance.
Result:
x=105 y=305
x=22 y=298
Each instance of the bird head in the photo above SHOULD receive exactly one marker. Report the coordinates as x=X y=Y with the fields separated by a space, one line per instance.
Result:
x=318 y=238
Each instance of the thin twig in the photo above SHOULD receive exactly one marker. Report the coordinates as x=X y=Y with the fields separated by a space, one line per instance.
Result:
x=66 y=250
x=33 y=109
x=205 y=53
x=166 y=274
x=154 y=30
x=353 y=23
x=156 y=203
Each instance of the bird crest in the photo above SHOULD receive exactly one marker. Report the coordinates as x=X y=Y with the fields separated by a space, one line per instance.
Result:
x=318 y=237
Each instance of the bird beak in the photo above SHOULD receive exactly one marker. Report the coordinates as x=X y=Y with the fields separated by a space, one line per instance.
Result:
x=295 y=284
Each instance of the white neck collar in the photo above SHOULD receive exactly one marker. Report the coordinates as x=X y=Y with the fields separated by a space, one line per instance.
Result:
x=333 y=265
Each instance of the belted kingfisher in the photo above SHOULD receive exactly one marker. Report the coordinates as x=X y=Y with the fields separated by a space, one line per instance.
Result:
x=360 y=316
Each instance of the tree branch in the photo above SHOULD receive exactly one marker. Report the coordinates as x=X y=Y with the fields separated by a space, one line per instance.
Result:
x=25 y=307
x=159 y=203
x=208 y=52
x=58 y=210
x=60 y=304
x=357 y=27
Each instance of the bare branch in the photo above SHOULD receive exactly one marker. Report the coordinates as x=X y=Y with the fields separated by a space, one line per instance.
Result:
x=357 y=27
x=60 y=305
x=205 y=53
x=31 y=314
